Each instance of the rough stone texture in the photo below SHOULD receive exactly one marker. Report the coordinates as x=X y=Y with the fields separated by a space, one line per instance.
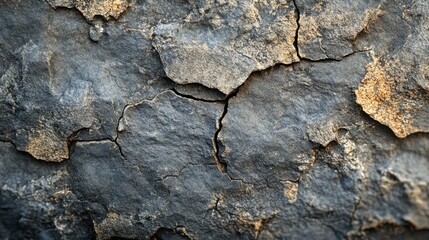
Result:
x=273 y=142
x=92 y=8
x=214 y=119
x=219 y=43
x=395 y=90
x=57 y=88
x=382 y=97
x=328 y=29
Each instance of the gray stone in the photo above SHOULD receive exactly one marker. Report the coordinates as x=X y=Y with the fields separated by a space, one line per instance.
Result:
x=36 y=201
x=328 y=29
x=268 y=133
x=168 y=132
x=59 y=88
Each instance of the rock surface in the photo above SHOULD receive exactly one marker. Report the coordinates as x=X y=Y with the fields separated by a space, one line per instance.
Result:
x=265 y=119
x=219 y=43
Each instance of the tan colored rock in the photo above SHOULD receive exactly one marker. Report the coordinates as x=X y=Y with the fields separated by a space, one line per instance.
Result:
x=291 y=191
x=384 y=99
x=91 y=8
x=220 y=45
x=46 y=145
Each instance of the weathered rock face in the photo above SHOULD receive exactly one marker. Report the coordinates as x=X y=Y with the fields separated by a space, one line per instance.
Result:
x=90 y=9
x=219 y=43
x=214 y=119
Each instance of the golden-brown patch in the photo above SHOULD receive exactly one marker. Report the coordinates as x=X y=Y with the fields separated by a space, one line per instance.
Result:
x=380 y=98
x=45 y=145
x=291 y=191
x=106 y=8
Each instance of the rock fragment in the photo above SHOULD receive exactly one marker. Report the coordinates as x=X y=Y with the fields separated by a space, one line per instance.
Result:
x=384 y=100
x=395 y=90
x=91 y=8
x=327 y=29
x=219 y=44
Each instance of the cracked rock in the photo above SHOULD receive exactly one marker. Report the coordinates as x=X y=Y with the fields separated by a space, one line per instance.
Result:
x=395 y=89
x=218 y=44
x=328 y=29
x=58 y=89
x=171 y=125
x=267 y=133
x=214 y=119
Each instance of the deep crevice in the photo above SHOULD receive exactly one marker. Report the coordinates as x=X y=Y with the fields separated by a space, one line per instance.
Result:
x=195 y=98
x=221 y=165
x=298 y=16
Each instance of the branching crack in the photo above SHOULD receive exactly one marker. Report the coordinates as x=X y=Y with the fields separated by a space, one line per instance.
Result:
x=221 y=165
x=71 y=140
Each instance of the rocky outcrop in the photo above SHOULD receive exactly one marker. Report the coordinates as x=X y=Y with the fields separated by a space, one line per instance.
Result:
x=217 y=119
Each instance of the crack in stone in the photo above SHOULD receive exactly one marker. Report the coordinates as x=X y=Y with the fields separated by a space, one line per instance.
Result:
x=71 y=139
x=195 y=98
x=221 y=165
x=176 y=175
x=334 y=59
x=298 y=16
x=72 y=143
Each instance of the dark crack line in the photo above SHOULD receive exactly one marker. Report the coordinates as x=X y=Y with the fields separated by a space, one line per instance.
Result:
x=119 y=148
x=72 y=143
x=298 y=16
x=195 y=98
x=7 y=141
x=71 y=140
x=222 y=165
x=334 y=59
